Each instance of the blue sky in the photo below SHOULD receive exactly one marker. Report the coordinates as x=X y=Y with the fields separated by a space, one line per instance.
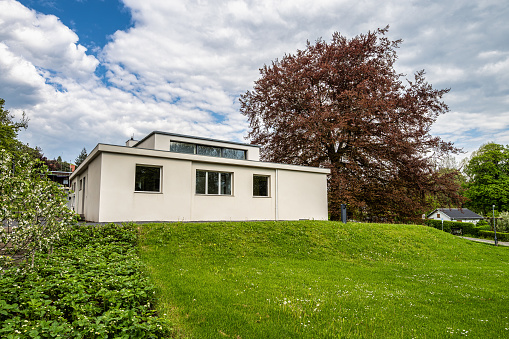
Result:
x=95 y=71
x=94 y=21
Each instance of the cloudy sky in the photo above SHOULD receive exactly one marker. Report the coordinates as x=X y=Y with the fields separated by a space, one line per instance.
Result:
x=90 y=71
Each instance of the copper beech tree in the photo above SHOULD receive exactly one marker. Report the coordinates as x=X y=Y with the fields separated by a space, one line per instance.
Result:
x=341 y=105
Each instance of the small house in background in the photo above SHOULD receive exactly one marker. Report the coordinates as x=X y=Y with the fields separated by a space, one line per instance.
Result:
x=174 y=177
x=60 y=177
x=455 y=214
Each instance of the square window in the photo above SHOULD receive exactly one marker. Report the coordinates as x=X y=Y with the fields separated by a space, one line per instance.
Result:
x=260 y=186
x=148 y=179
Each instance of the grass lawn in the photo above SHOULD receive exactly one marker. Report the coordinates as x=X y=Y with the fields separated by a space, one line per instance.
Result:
x=311 y=279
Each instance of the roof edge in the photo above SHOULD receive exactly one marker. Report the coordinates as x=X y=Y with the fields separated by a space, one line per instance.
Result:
x=194 y=137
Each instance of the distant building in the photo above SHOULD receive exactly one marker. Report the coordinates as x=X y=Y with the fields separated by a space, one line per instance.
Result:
x=60 y=177
x=455 y=214
x=174 y=177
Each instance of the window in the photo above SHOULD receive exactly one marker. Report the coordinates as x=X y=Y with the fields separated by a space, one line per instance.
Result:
x=219 y=183
x=211 y=151
x=234 y=153
x=182 y=147
x=148 y=179
x=438 y=215
x=260 y=185
x=81 y=184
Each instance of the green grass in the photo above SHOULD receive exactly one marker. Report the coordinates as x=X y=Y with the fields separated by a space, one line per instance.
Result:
x=312 y=279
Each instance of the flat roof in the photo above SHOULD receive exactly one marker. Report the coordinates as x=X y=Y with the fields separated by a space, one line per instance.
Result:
x=194 y=137
x=134 y=151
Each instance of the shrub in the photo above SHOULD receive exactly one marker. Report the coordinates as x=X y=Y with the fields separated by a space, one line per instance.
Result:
x=466 y=227
x=483 y=224
x=502 y=222
x=93 y=286
x=501 y=236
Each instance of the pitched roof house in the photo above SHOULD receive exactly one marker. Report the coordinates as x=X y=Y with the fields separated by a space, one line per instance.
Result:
x=455 y=214
x=174 y=177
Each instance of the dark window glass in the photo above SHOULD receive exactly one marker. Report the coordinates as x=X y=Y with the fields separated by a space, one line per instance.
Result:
x=260 y=186
x=213 y=183
x=182 y=147
x=234 y=153
x=208 y=150
x=226 y=183
x=200 y=182
x=147 y=179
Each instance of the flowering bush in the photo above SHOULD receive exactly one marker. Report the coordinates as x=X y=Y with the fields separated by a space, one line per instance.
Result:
x=33 y=209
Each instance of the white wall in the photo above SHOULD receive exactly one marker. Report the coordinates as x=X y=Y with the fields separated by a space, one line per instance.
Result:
x=302 y=195
x=241 y=205
x=295 y=192
x=436 y=214
x=119 y=201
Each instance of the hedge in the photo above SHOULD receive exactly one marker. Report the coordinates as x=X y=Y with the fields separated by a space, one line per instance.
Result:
x=491 y=235
x=466 y=227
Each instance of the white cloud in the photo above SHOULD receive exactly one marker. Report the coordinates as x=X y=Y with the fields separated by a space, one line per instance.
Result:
x=43 y=41
x=183 y=64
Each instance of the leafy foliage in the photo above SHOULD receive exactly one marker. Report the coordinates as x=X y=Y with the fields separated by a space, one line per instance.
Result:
x=343 y=106
x=487 y=174
x=9 y=129
x=502 y=222
x=92 y=287
x=466 y=227
x=33 y=209
x=81 y=157
x=501 y=236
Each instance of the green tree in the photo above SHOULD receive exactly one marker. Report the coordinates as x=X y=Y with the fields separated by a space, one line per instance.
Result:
x=487 y=173
x=81 y=157
x=9 y=130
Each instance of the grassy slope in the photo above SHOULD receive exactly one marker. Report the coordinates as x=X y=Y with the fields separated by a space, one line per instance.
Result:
x=324 y=279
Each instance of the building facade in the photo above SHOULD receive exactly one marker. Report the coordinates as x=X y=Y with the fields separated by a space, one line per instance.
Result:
x=172 y=177
x=455 y=214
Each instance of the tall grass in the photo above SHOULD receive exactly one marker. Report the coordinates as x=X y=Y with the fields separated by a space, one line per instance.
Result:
x=311 y=279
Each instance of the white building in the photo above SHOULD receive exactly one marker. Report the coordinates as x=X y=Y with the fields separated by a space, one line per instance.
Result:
x=455 y=214
x=172 y=177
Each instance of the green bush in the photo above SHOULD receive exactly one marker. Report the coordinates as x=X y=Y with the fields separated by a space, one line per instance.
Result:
x=483 y=224
x=501 y=236
x=466 y=227
x=92 y=286
x=503 y=222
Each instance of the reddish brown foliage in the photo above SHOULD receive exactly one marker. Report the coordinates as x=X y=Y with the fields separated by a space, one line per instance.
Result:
x=342 y=105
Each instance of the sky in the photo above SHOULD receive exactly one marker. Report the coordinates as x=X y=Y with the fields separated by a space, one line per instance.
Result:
x=100 y=71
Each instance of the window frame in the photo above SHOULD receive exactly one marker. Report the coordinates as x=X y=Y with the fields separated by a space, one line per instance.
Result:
x=220 y=176
x=268 y=186
x=160 y=186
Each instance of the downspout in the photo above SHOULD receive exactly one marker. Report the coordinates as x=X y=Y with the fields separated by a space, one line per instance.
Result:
x=277 y=194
